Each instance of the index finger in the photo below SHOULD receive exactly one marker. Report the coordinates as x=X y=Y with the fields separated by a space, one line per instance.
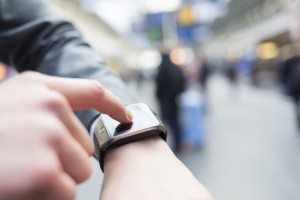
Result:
x=84 y=94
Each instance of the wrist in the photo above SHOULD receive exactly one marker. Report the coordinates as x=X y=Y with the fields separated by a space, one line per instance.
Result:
x=132 y=154
x=109 y=133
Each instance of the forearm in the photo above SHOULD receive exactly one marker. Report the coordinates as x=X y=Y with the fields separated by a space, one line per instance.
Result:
x=134 y=152
x=148 y=169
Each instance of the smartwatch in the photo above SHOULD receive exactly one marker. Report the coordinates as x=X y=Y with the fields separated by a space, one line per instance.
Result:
x=110 y=133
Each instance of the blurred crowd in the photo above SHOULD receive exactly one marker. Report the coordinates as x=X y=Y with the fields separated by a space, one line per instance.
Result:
x=182 y=79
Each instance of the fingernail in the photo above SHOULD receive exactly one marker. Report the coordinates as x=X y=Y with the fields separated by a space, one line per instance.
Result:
x=129 y=115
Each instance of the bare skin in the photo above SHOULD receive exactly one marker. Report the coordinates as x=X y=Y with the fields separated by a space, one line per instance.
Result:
x=148 y=170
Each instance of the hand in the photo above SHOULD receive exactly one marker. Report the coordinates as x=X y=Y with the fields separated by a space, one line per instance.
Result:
x=148 y=170
x=44 y=149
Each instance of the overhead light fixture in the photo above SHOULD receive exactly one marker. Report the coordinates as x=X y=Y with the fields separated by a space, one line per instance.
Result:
x=156 y=6
x=149 y=59
x=267 y=51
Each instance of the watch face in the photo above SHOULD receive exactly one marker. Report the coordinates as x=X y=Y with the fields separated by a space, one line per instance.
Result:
x=142 y=118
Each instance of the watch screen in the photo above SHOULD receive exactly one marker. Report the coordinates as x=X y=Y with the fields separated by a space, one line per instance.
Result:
x=142 y=118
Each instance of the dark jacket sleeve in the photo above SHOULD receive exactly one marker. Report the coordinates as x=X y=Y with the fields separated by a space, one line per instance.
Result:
x=32 y=37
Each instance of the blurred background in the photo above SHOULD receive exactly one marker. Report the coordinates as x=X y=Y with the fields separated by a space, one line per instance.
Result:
x=224 y=75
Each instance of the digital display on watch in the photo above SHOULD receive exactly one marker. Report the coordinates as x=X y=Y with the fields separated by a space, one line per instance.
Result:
x=142 y=118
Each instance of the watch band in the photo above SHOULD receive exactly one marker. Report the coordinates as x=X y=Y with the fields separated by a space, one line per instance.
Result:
x=107 y=134
x=101 y=154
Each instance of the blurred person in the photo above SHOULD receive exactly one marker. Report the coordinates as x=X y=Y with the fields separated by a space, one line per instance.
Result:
x=204 y=72
x=140 y=79
x=232 y=74
x=290 y=68
x=290 y=79
x=44 y=151
x=231 y=66
x=192 y=108
x=191 y=112
x=170 y=82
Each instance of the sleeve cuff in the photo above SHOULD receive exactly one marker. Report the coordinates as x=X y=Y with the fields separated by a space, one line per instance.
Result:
x=92 y=128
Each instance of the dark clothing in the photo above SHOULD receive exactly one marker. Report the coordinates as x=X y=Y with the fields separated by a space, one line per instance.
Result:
x=171 y=119
x=232 y=74
x=290 y=78
x=204 y=75
x=32 y=37
x=170 y=82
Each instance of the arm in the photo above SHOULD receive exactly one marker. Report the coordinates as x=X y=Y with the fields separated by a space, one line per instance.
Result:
x=148 y=170
x=32 y=37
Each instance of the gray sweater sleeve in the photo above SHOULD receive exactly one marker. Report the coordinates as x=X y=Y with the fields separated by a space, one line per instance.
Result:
x=32 y=37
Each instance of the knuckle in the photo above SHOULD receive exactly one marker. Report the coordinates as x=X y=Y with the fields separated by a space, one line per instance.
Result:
x=30 y=75
x=30 y=79
x=53 y=130
x=53 y=136
x=55 y=100
x=70 y=194
x=97 y=89
x=47 y=172
x=86 y=172
x=56 y=137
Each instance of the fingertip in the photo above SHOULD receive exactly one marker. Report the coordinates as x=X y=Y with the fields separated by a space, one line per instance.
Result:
x=125 y=117
x=129 y=115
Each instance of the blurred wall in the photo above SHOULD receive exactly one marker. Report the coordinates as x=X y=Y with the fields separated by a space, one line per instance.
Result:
x=266 y=20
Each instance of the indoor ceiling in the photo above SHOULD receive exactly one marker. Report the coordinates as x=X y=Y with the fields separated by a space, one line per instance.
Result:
x=236 y=8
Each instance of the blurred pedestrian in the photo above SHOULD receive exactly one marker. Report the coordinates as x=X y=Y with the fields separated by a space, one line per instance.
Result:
x=192 y=112
x=290 y=79
x=204 y=73
x=232 y=74
x=170 y=82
